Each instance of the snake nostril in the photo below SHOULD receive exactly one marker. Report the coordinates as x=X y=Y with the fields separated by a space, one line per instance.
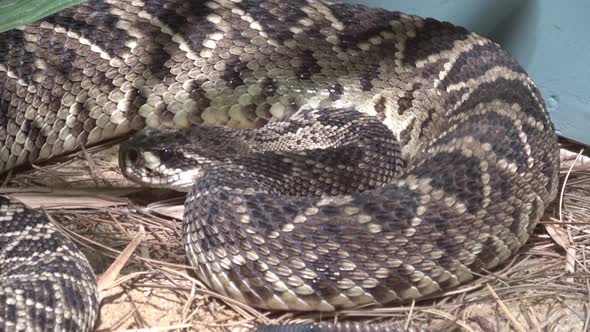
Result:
x=132 y=155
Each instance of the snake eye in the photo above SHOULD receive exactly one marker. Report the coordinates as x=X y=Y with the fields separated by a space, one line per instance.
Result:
x=166 y=154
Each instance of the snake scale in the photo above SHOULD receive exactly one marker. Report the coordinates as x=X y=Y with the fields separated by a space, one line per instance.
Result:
x=408 y=153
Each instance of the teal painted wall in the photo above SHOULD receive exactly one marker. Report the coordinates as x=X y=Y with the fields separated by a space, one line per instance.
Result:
x=551 y=40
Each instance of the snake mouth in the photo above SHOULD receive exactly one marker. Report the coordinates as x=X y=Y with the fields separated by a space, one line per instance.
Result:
x=148 y=168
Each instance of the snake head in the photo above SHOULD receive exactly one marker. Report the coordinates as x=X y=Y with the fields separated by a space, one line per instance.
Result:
x=155 y=158
x=175 y=158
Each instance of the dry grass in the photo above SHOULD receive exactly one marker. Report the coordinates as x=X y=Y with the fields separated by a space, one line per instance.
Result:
x=132 y=238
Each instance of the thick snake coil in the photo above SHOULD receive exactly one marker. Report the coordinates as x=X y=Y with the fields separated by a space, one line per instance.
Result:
x=479 y=153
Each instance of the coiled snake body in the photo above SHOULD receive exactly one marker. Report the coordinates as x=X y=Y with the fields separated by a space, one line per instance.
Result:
x=312 y=212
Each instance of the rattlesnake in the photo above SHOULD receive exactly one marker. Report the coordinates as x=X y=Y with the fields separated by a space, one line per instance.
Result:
x=478 y=148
